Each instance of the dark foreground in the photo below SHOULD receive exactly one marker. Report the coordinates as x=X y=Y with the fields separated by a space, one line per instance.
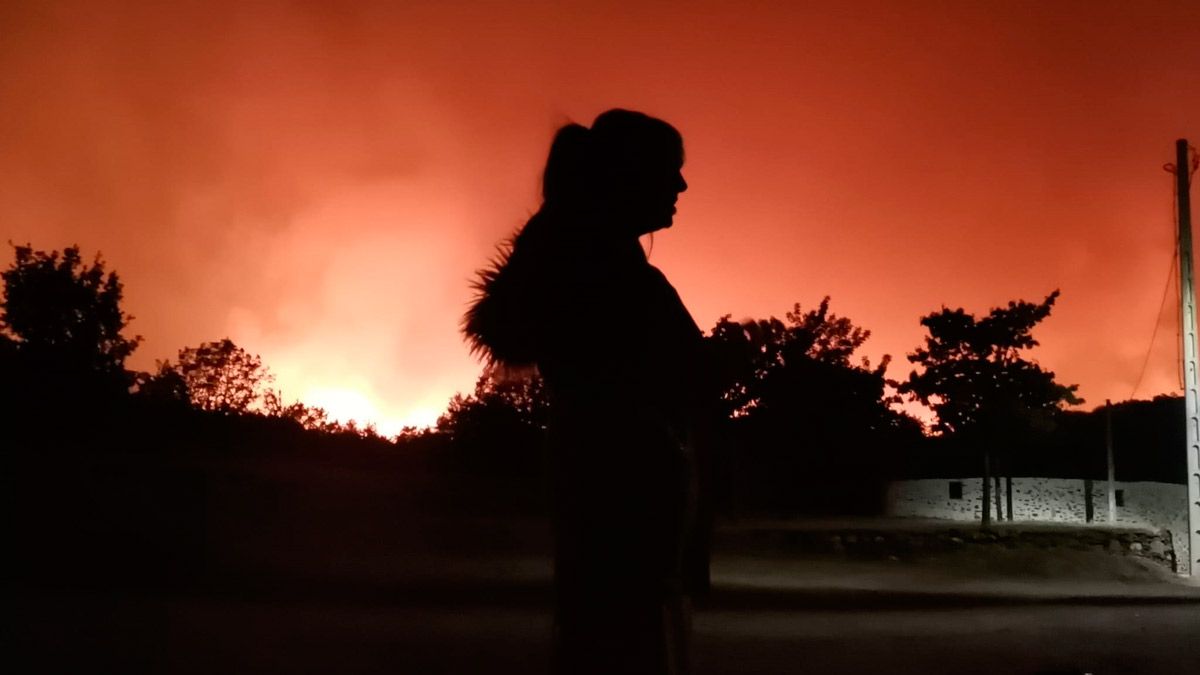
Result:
x=82 y=631
x=132 y=567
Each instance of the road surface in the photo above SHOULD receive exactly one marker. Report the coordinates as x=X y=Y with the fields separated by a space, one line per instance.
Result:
x=133 y=633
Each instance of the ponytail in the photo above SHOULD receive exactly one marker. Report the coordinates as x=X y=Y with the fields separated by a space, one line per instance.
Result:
x=568 y=173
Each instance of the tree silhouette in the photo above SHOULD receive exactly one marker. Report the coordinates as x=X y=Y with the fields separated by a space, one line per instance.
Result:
x=224 y=378
x=313 y=418
x=810 y=418
x=166 y=385
x=62 y=317
x=752 y=355
x=220 y=376
x=975 y=376
x=499 y=428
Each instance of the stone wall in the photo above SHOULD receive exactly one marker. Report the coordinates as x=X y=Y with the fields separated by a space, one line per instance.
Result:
x=1059 y=500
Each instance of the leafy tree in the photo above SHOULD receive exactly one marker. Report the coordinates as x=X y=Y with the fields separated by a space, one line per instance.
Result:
x=808 y=416
x=351 y=428
x=523 y=402
x=499 y=428
x=166 y=385
x=974 y=374
x=309 y=417
x=976 y=378
x=62 y=316
x=755 y=355
x=220 y=376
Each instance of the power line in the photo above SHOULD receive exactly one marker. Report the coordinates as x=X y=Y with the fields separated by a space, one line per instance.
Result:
x=1175 y=168
x=1172 y=282
x=1157 y=318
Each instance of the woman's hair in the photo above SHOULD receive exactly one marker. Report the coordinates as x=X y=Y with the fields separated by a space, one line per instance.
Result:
x=566 y=177
x=586 y=163
x=507 y=321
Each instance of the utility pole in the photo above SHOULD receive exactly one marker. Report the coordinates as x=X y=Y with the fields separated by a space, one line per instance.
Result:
x=987 y=488
x=1112 y=468
x=1008 y=507
x=1089 y=505
x=1187 y=286
x=999 y=511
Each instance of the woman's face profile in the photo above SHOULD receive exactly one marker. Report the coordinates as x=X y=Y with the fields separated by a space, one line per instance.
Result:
x=652 y=193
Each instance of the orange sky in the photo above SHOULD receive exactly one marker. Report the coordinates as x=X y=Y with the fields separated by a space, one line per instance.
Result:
x=318 y=183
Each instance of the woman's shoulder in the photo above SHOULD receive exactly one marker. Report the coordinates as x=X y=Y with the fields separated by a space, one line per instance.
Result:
x=667 y=299
x=658 y=279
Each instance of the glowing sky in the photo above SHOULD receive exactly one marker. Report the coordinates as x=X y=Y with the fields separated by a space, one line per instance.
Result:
x=318 y=182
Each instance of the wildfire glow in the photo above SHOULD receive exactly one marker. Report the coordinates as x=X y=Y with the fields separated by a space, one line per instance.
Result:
x=344 y=405
x=422 y=416
x=320 y=185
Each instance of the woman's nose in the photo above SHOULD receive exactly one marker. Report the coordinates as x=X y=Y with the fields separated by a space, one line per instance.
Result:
x=682 y=185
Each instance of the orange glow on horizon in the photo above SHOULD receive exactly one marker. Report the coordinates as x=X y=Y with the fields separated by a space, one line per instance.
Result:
x=318 y=182
x=345 y=405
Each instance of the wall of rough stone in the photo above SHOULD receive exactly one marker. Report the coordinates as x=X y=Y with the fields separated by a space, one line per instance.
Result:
x=1060 y=500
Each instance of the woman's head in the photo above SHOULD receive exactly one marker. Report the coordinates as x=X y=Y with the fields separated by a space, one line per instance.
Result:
x=625 y=169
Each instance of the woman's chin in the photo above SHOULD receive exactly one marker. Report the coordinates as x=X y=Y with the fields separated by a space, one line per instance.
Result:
x=648 y=226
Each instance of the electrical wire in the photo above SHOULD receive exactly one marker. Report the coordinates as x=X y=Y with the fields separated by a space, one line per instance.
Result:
x=1192 y=166
x=1157 y=319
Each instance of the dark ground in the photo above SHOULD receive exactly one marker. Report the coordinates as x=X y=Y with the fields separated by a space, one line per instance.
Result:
x=446 y=606
x=134 y=633
x=242 y=568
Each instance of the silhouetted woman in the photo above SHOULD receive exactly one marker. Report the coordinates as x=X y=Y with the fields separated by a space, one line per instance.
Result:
x=621 y=359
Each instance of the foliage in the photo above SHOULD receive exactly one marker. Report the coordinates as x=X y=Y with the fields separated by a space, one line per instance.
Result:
x=220 y=376
x=750 y=354
x=500 y=427
x=224 y=378
x=166 y=385
x=975 y=375
x=349 y=428
x=308 y=417
x=807 y=415
x=771 y=368
x=65 y=314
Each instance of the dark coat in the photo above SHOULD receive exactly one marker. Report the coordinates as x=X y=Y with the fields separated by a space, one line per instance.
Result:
x=622 y=361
